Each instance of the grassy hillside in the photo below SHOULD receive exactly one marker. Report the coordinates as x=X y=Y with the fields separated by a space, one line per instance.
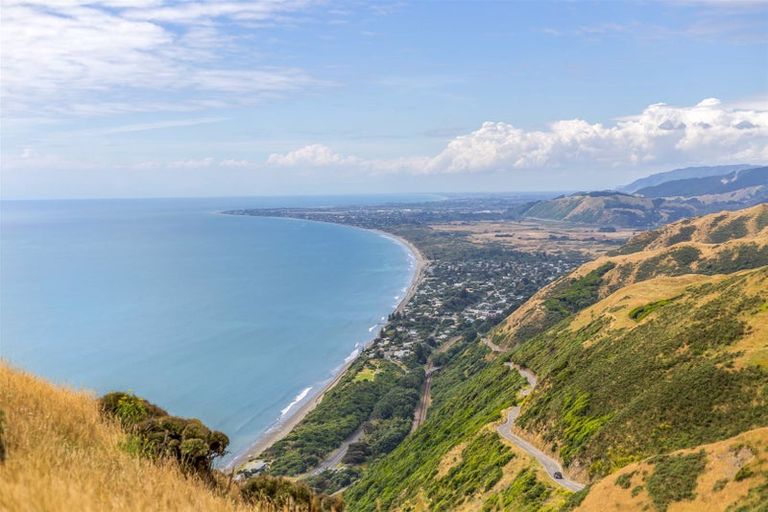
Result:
x=611 y=209
x=664 y=364
x=713 y=244
x=60 y=453
x=453 y=458
x=726 y=475
x=660 y=347
x=701 y=196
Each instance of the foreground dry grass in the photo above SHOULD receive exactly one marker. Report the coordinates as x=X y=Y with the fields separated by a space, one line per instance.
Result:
x=62 y=456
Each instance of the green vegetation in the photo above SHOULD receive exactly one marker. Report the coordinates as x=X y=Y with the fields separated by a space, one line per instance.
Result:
x=342 y=411
x=674 y=478
x=755 y=501
x=128 y=408
x=673 y=262
x=331 y=481
x=155 y=434
x=643 y=311
x=478 y=471
x=365 y=374
x=574 y=500
x=743 y=473
x=683 y=234
x=576 y=294
x=733 y=259
x=736 y=228
x=525 y=494
x=464 y=408
x=281 y=494
x=637 y=243
x=625 y=481
x=577 y=425
x=663 y=385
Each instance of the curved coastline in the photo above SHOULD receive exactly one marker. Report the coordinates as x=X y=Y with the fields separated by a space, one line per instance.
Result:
x=298 y=409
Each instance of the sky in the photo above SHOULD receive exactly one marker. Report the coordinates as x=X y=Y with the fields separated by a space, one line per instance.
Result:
x=157 y=98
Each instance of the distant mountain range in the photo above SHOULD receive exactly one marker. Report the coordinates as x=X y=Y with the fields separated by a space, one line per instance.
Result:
x=682 y=174
x=711 y=185
x=663 y=202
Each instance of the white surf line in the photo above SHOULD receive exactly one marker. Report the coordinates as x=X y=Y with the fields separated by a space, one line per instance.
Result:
x=301 y=396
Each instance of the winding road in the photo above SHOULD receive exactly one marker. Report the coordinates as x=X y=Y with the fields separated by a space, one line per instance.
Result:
x=550 y=465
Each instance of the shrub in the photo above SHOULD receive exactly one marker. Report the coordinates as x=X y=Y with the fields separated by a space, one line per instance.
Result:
x=625 y=481
x=128 y=408
x=283 y=494
x=674 y=478
x=153 y=433
x=641 y=312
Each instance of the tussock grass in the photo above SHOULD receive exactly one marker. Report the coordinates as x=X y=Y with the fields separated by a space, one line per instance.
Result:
x=62 y=455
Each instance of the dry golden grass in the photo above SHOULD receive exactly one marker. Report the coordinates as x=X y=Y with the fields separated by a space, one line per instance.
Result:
x=724 y=459
x=540 y=236
x=450 y=459
x=62 y=456
x=532 y=312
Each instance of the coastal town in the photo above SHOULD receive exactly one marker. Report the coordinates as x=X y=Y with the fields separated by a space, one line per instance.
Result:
x=462 y=288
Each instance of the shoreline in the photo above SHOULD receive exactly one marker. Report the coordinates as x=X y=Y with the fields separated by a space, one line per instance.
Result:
x=283 y=426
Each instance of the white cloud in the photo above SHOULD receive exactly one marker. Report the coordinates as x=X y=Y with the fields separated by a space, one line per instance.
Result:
x=314 y=155
x=96 y=56
x=193 y=163
x=234 y=163
x=708 y=132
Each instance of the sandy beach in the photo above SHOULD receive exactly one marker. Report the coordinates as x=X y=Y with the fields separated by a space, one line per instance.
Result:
x=284 y=426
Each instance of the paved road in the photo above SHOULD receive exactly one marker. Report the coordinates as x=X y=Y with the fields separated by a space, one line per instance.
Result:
x=548 y=463
x=334 y=459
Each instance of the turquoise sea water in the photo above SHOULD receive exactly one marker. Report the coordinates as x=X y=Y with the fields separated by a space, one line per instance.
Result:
x=226 y=318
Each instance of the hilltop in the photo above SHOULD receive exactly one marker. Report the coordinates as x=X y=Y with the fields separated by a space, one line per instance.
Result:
x=658 y=204
x=716 y=243
x=611 y=209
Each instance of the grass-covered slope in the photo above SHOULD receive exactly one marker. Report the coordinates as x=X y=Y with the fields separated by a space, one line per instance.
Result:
x=611 y=208
x=713 y=244
x=63 y=455
x=726 y=475
x=415 y=472
x=635 y=360
x=58 y=451
x=616 y=386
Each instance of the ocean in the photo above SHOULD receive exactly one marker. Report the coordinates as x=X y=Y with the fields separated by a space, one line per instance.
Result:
x=231 y=319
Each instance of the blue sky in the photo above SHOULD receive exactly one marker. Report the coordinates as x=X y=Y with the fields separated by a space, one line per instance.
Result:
x=155 y=98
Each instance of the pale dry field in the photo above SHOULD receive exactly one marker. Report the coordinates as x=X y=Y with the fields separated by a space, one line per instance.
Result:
x=540 y=236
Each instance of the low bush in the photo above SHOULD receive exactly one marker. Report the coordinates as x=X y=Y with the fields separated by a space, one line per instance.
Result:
x=155 y=434
x=674 y=478
x=283 y=494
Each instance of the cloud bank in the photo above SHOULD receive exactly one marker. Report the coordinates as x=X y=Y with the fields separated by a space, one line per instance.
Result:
x=662 y=134
x=99 y=57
